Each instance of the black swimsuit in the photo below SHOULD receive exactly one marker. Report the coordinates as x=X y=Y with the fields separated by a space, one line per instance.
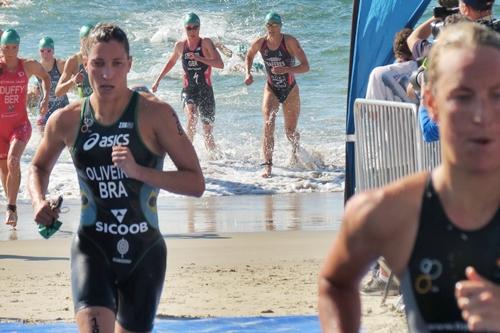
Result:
x=197 y=87
x=280 y=84
x=118 y=256
x=440 y=255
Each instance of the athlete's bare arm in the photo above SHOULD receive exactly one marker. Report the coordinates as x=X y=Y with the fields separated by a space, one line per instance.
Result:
x=33 y=67
x=212 y=56
x=423 y=31
x=162 y=133
x=252 y=51
x=371 y=221
x=293 y=45
x=60 y=132
x=69 y=76
x=170 y=64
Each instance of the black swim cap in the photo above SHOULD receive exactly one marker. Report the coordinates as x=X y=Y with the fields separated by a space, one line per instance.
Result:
x=479 y=4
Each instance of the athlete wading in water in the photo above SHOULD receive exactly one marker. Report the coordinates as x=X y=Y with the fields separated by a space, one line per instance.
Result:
x=118 y=139
x=198 y=56
x=279 y=52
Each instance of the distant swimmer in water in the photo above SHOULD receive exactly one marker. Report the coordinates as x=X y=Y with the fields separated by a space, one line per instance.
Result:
x=54 y=68
x=198 y=56
x=279 y=52
x=240 y=55
x=74 y=74
x=15 y=127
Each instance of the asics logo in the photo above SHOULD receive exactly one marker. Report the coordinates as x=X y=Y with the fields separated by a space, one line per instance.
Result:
x=105 y=141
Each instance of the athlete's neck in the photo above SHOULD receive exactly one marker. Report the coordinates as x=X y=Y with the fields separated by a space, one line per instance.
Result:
x=470 y=200
x=108 y=109
x=47 y=63
x=11 y=62
x=274 y=39
x=192 y=42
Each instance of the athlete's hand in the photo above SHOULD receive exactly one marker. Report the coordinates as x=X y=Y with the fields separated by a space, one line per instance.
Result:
x=44 y=105
x=479 y=300
x=155 y=85
x=279 y=70
x=248 y=79
x=192 y=56
x=43 y=212
x=122 y=158
x=78 y=78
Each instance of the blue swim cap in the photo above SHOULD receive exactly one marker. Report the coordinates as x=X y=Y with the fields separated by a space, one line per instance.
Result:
x=85 y=30
x=46 y=43
x=273 y=17
x=191 y=19
x=10 y=36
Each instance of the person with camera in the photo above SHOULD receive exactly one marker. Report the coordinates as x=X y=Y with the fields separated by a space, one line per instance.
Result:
x=475 y=10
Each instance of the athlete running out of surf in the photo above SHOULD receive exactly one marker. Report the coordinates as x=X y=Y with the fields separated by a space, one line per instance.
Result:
x=198 y=56
x=118 y=139
x=15 y=127
x=439 y=231
x=279 y=52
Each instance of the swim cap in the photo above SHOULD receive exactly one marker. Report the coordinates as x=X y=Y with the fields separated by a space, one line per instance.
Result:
x=273 y=17
x=46 y=43
x=479 y=4
x=10 y=36
x=191 y=19
x=85 y=30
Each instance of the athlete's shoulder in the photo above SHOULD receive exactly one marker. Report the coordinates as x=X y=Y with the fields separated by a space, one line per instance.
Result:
x=388 y=208
x=152 y=105
x=290 y=40
x=258 y=41
x=206 y=41
x=66 y=120
x=180 y=44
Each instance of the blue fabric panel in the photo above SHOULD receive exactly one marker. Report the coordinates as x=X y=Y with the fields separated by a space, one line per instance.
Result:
x=374 y=25
x=284 y=324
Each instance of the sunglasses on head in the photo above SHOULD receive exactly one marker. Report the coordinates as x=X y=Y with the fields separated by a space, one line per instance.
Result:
x=192 y=27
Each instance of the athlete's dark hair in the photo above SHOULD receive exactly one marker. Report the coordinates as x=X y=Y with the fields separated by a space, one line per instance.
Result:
x=105 y=32
x=399 y=45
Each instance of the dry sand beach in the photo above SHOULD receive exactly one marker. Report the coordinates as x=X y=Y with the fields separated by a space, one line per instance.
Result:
x=215 y=273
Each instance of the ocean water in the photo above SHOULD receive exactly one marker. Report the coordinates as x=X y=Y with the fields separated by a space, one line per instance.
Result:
x=323 y=29
x=153 y=28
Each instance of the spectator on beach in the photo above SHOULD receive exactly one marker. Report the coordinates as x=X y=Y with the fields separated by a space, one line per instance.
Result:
x=15 y=127
x=198 y=56
x=279 y=52
x=74 y=73
x=429 y=127
x=389 y=82
x=438 y=231
x=54 y=68
x=118 y=140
